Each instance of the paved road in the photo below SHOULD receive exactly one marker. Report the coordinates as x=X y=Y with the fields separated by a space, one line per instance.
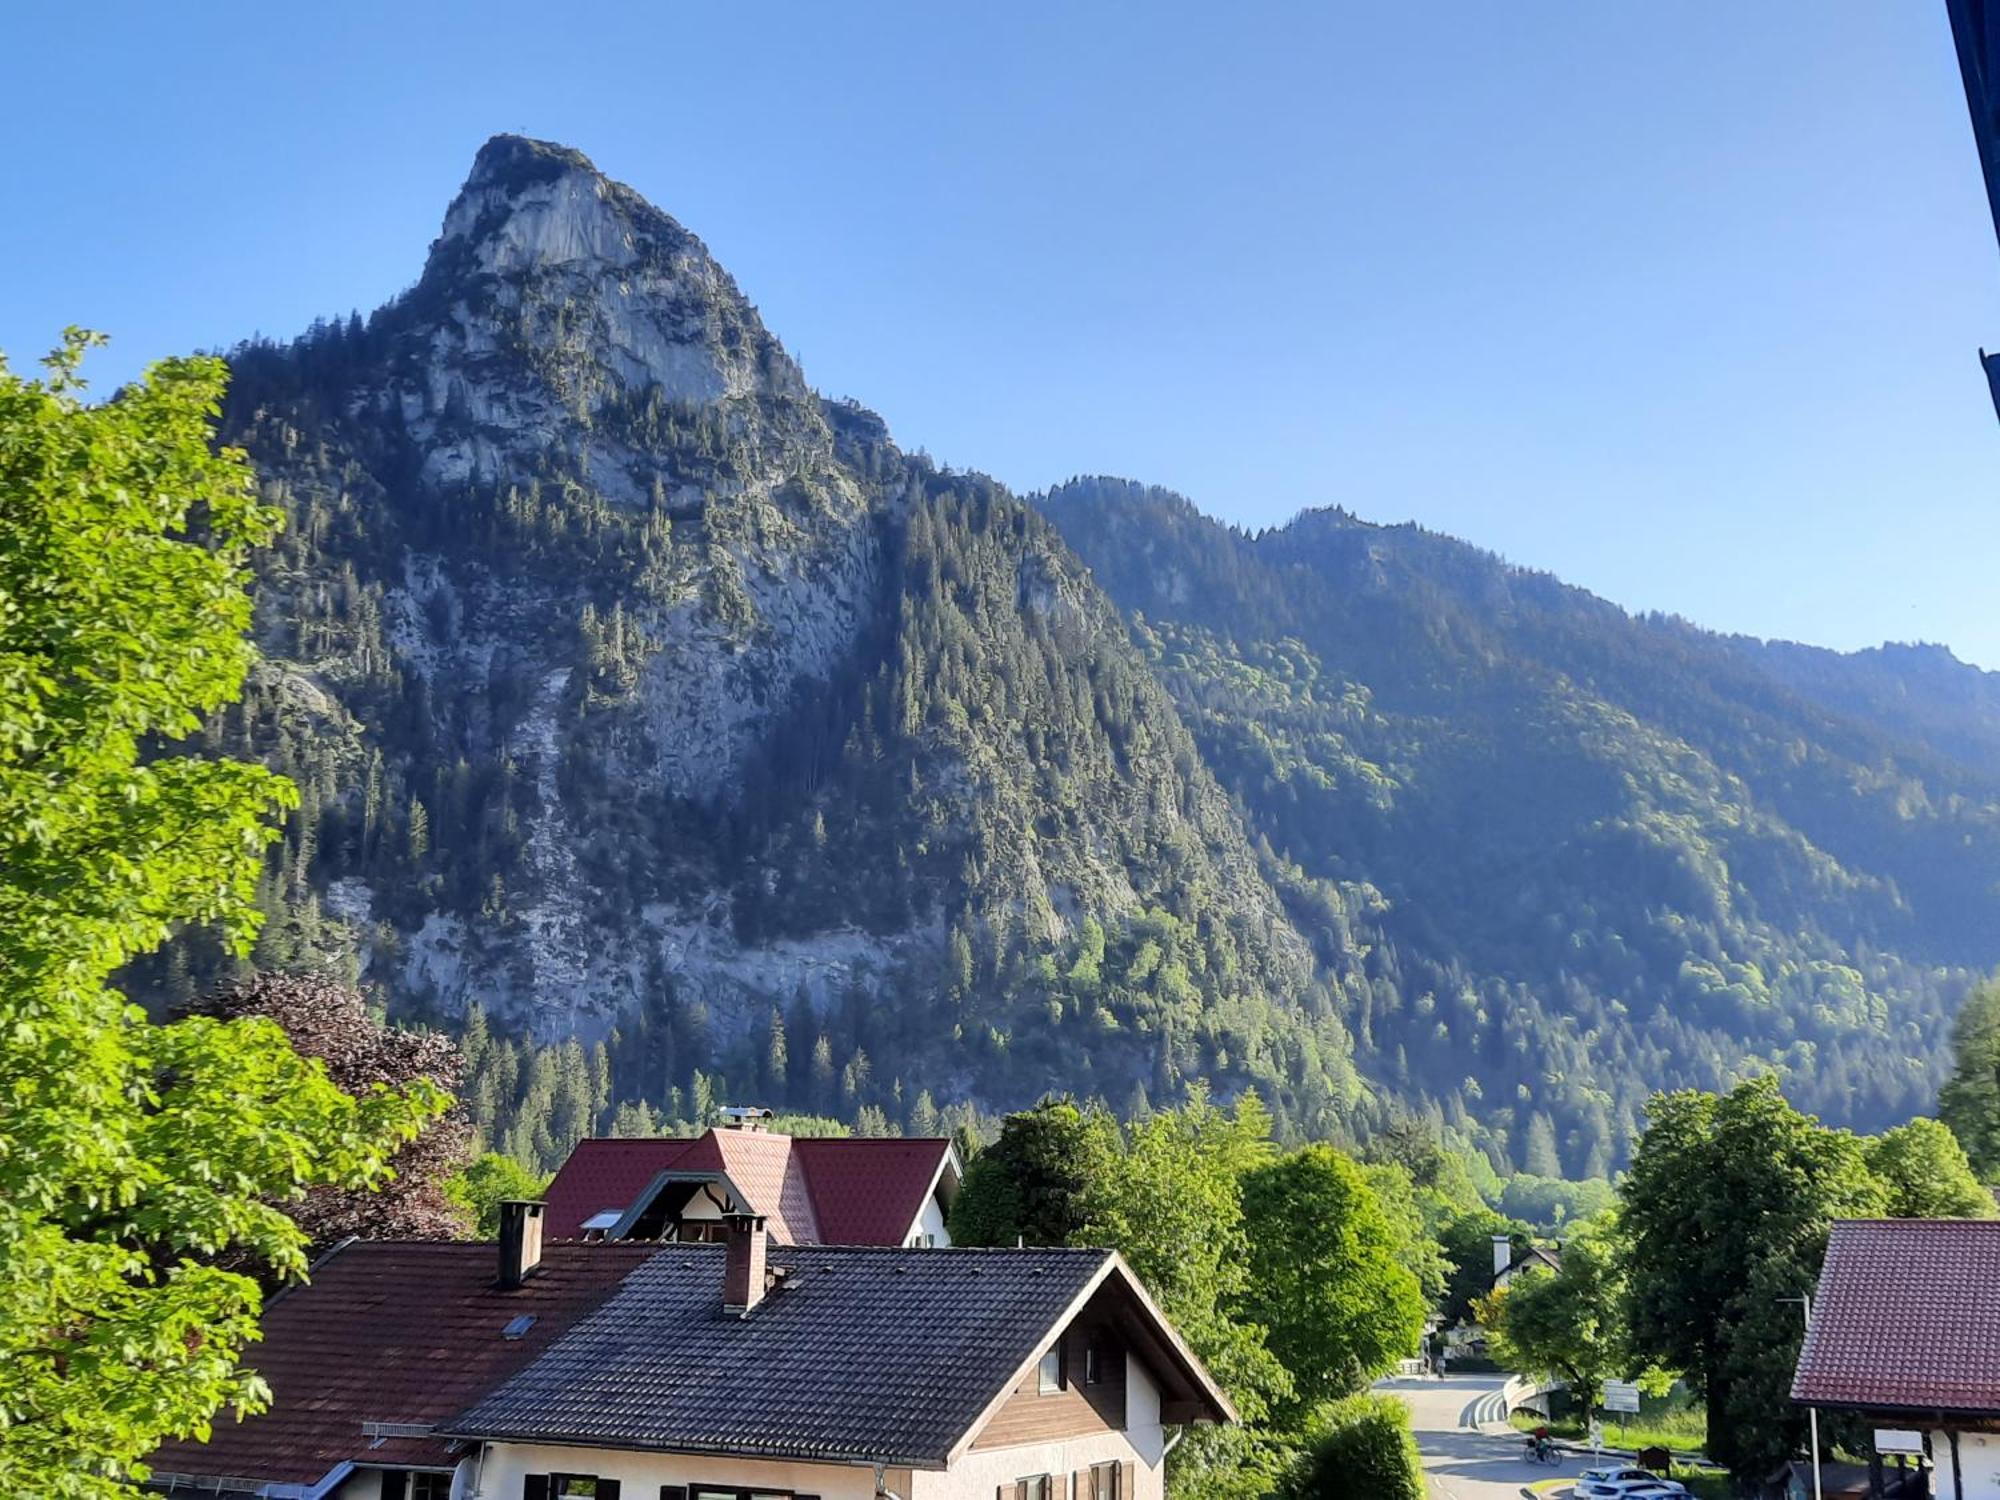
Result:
x=1461 y=1463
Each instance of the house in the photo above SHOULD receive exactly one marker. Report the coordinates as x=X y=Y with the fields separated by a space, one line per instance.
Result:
x=1905 y=1332
x=832 y=1191
x=741 y=1370
x=388 y=1338
x=1509 y=1262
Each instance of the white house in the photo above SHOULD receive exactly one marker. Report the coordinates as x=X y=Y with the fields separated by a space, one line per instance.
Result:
x=746 y=1370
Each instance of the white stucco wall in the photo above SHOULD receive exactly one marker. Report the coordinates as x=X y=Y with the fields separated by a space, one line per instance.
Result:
x=641 y=1474
x=930 y=1222
x=976 y=1476
x=1979 y=1465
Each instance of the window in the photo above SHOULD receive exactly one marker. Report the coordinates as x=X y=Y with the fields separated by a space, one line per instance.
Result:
x=1096 y=1359
x=1049 y=1374
x=1034 y=1487
x=1103 y=1482
x=430 y=1487
x=564 y=1487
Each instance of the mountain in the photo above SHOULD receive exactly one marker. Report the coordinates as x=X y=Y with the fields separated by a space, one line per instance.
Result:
x=1603 y=853
x=677 y=735
x=640 y=697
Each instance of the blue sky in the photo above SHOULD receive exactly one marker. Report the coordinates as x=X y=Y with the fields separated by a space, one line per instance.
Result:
x=1679 y=301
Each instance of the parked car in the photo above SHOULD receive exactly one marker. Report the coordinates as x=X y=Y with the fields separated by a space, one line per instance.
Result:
x=1623 y=1482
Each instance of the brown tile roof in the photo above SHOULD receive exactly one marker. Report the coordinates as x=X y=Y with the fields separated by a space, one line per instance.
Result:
x=1907 y=1316
x=846 y=1190
x=393 y=1331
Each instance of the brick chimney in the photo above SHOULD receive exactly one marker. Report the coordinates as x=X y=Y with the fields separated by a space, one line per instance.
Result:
x=743 y=1278
x=520 y=1241
x=1503 y=1253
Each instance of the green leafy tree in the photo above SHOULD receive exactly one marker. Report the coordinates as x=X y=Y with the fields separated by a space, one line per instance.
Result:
x=134 y=1156
x=1926 y=1173
x=1568 y=1325
x=1417 y=1247
x=1467 y=1244
x=1726 y=1209
x=483 y=1185
x=1171 y=1203
x=1970 y=1100
x=1357 y=1449
x=1326 y=1274
x=1034 y=1184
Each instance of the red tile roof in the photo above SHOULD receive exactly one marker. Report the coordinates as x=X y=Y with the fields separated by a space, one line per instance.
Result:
x=609 y=1174
x=836 y=1191
x=393 y=1331
x=1907 y=1316
x=869 y=1192
x=772 y=1176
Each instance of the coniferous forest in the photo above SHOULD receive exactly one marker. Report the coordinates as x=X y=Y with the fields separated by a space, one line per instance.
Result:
x=677 y=736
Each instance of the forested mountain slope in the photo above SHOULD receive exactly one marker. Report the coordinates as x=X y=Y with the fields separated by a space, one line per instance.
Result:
x=1612 y=853
x=636 y=693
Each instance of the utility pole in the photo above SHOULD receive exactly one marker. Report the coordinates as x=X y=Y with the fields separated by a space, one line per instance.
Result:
x=1804 y=1299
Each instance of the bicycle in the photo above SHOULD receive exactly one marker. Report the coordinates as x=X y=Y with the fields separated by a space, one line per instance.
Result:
x=1541 y=1451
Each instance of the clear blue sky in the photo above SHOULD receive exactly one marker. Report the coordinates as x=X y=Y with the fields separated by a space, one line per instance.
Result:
x=1678 y=300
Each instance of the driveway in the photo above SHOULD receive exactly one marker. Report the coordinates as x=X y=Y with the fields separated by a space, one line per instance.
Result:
x=1461 y=1462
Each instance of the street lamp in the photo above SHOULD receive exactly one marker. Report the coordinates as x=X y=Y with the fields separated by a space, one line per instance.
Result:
x=1804 y=1300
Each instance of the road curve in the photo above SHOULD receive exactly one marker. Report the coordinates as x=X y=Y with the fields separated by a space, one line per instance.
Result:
x=1460 y=1462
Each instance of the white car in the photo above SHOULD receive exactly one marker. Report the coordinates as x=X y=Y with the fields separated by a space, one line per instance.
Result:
x=1623 y=1482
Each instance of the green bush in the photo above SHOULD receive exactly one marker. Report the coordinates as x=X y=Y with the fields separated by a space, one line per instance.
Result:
x=1359 y=1448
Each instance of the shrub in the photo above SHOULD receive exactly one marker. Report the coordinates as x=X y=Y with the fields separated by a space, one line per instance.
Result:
x=1359 y=1448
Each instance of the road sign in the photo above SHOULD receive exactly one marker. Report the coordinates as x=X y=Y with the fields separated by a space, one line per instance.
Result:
x=1621 y=1395
x=1895 y=1440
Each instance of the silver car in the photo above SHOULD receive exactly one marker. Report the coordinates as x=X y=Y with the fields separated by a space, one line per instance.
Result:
x=1624 y=1482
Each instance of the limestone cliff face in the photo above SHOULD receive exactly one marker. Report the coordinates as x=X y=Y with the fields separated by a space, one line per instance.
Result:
x=574 y=360
x=657 y=676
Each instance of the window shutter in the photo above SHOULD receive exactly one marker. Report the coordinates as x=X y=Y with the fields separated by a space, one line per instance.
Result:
x=607 y=1489
x=1079 y=1484
x=673 y=1492
x=395 y=1484
x=1128 y=1473
x=534 y=1487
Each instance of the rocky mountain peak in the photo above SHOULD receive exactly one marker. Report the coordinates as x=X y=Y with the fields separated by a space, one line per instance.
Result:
x=529 y=205
x=555 y=296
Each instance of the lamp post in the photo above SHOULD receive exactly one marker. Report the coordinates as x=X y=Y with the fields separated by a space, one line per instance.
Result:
x=1804 y=1300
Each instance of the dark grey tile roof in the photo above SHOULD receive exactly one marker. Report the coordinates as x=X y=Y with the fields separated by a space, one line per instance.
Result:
x=863 y=1353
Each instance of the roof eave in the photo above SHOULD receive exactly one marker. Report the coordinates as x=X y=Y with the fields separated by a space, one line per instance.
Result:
x=1928 y=1412
x=1113 y=1263
x=771 y=1453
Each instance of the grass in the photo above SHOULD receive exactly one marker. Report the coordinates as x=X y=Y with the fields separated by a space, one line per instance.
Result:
x=1678 y=1425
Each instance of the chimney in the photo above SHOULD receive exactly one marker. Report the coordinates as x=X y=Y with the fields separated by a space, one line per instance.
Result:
x=1503 y=1253
x=520 y=1241
x=743 y=1278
